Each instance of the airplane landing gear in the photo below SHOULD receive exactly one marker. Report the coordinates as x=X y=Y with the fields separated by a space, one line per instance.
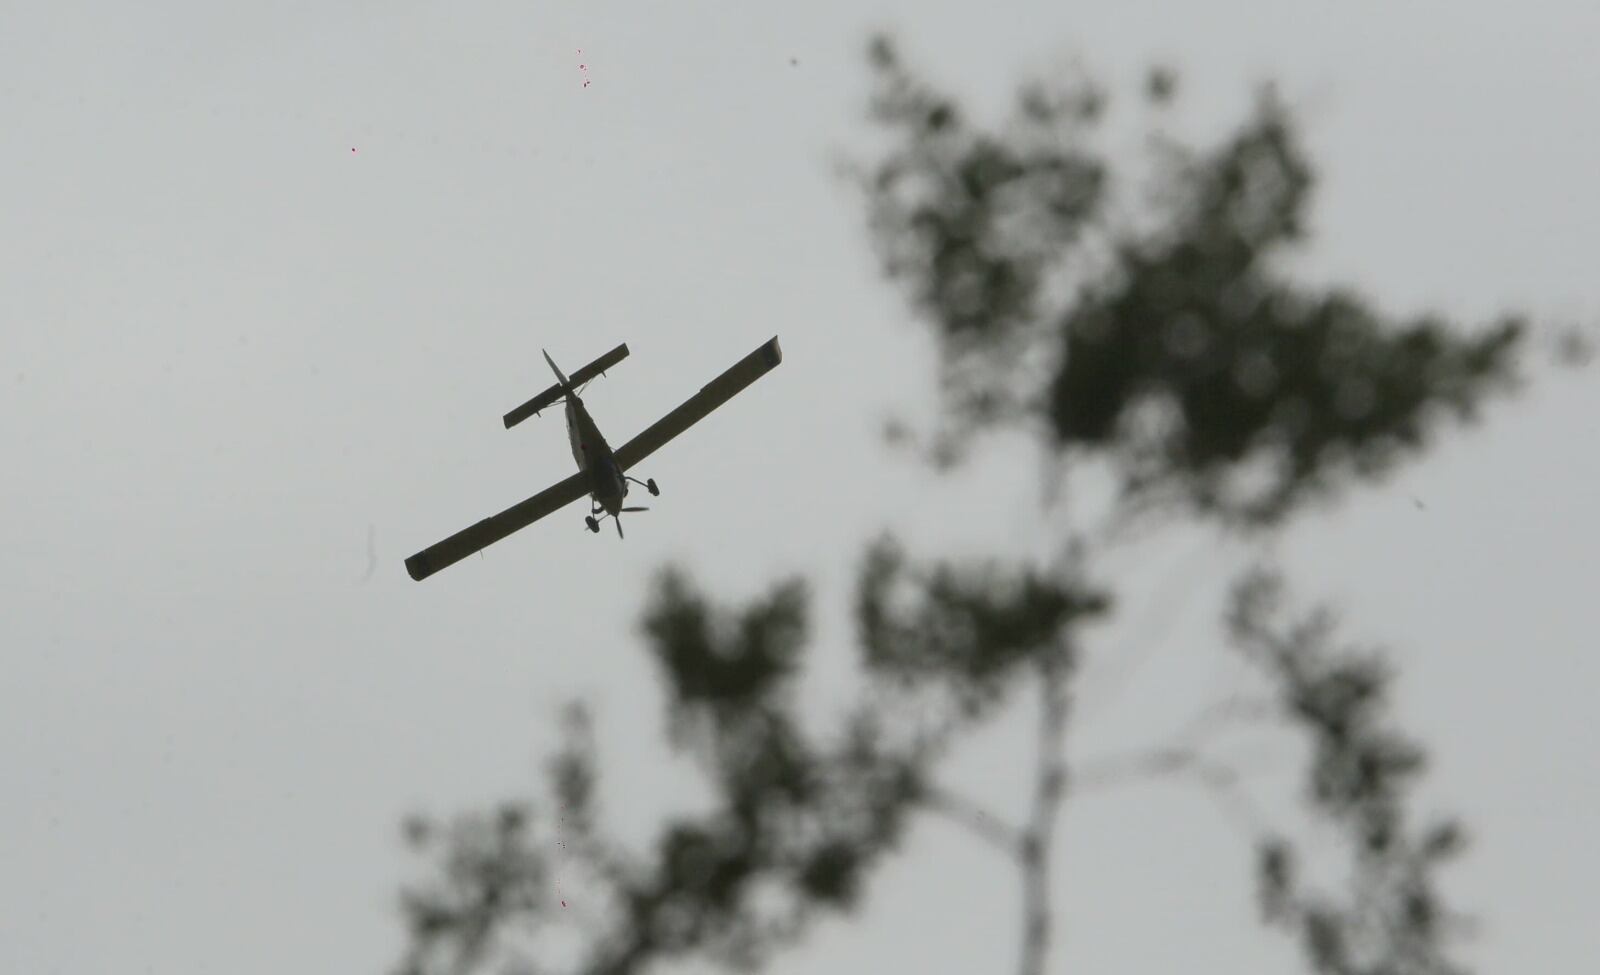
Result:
x=594 y=526
x=649 y=485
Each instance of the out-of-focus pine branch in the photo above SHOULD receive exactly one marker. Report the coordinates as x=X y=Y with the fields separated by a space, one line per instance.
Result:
x=1391 y=918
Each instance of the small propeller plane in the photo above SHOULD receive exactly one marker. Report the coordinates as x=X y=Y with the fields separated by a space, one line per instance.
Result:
x=602 y=472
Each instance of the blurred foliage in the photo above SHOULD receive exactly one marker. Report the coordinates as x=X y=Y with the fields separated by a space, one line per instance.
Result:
x=795 y=823
x=1178 y=350
x=1174 y=348
x=968 y=633
x=1392 y=919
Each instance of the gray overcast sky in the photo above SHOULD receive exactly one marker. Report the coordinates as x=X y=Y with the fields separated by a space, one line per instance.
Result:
x=274 y=271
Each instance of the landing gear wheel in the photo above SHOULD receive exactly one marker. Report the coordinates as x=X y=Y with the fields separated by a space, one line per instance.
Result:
x=594 y=526
x=650 y=486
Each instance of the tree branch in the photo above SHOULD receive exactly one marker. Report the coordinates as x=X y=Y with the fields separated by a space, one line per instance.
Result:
x=1049 y=788
x=1220 y=779
x=1233 y=712
x=982 y=823
x=1150 y=764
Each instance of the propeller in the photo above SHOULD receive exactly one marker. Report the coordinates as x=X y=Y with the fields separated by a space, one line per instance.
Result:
x=618 y=519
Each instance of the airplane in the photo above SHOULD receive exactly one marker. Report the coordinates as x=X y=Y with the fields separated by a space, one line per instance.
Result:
x=602 y=472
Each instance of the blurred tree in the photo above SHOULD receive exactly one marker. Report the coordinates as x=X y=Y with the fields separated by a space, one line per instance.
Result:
x=1168 y=345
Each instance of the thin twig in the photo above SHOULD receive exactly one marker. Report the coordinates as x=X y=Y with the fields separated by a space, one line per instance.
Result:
x=1171 y=598
x=1220 y=779
x=984 y=824
x=1148 y=764
x=1232 y=712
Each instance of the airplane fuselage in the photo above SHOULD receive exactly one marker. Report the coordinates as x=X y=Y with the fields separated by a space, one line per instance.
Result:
x=589 y=448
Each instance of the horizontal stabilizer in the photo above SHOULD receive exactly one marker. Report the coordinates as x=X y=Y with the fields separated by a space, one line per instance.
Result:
x=554 y=394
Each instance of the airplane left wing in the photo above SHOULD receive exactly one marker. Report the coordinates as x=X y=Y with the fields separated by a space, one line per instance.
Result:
x=697 y=407
x=442 y=555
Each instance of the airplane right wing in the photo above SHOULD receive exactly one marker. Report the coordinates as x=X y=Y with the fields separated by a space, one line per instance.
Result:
x=695 y=408
x=442 y=555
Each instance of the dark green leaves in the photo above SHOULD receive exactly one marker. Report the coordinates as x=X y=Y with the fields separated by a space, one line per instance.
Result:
x=792 y=826
x=963 y=632
x=720 y=665
x=491 y=868
x=973 y=223
x=1362 y=773
x=1180 y=350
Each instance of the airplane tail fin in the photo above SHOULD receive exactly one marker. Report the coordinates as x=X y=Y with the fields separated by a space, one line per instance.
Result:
x=566 y=387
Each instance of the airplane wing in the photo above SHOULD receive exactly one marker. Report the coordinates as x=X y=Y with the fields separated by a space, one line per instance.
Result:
x=442 y=555
x=695 y=408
